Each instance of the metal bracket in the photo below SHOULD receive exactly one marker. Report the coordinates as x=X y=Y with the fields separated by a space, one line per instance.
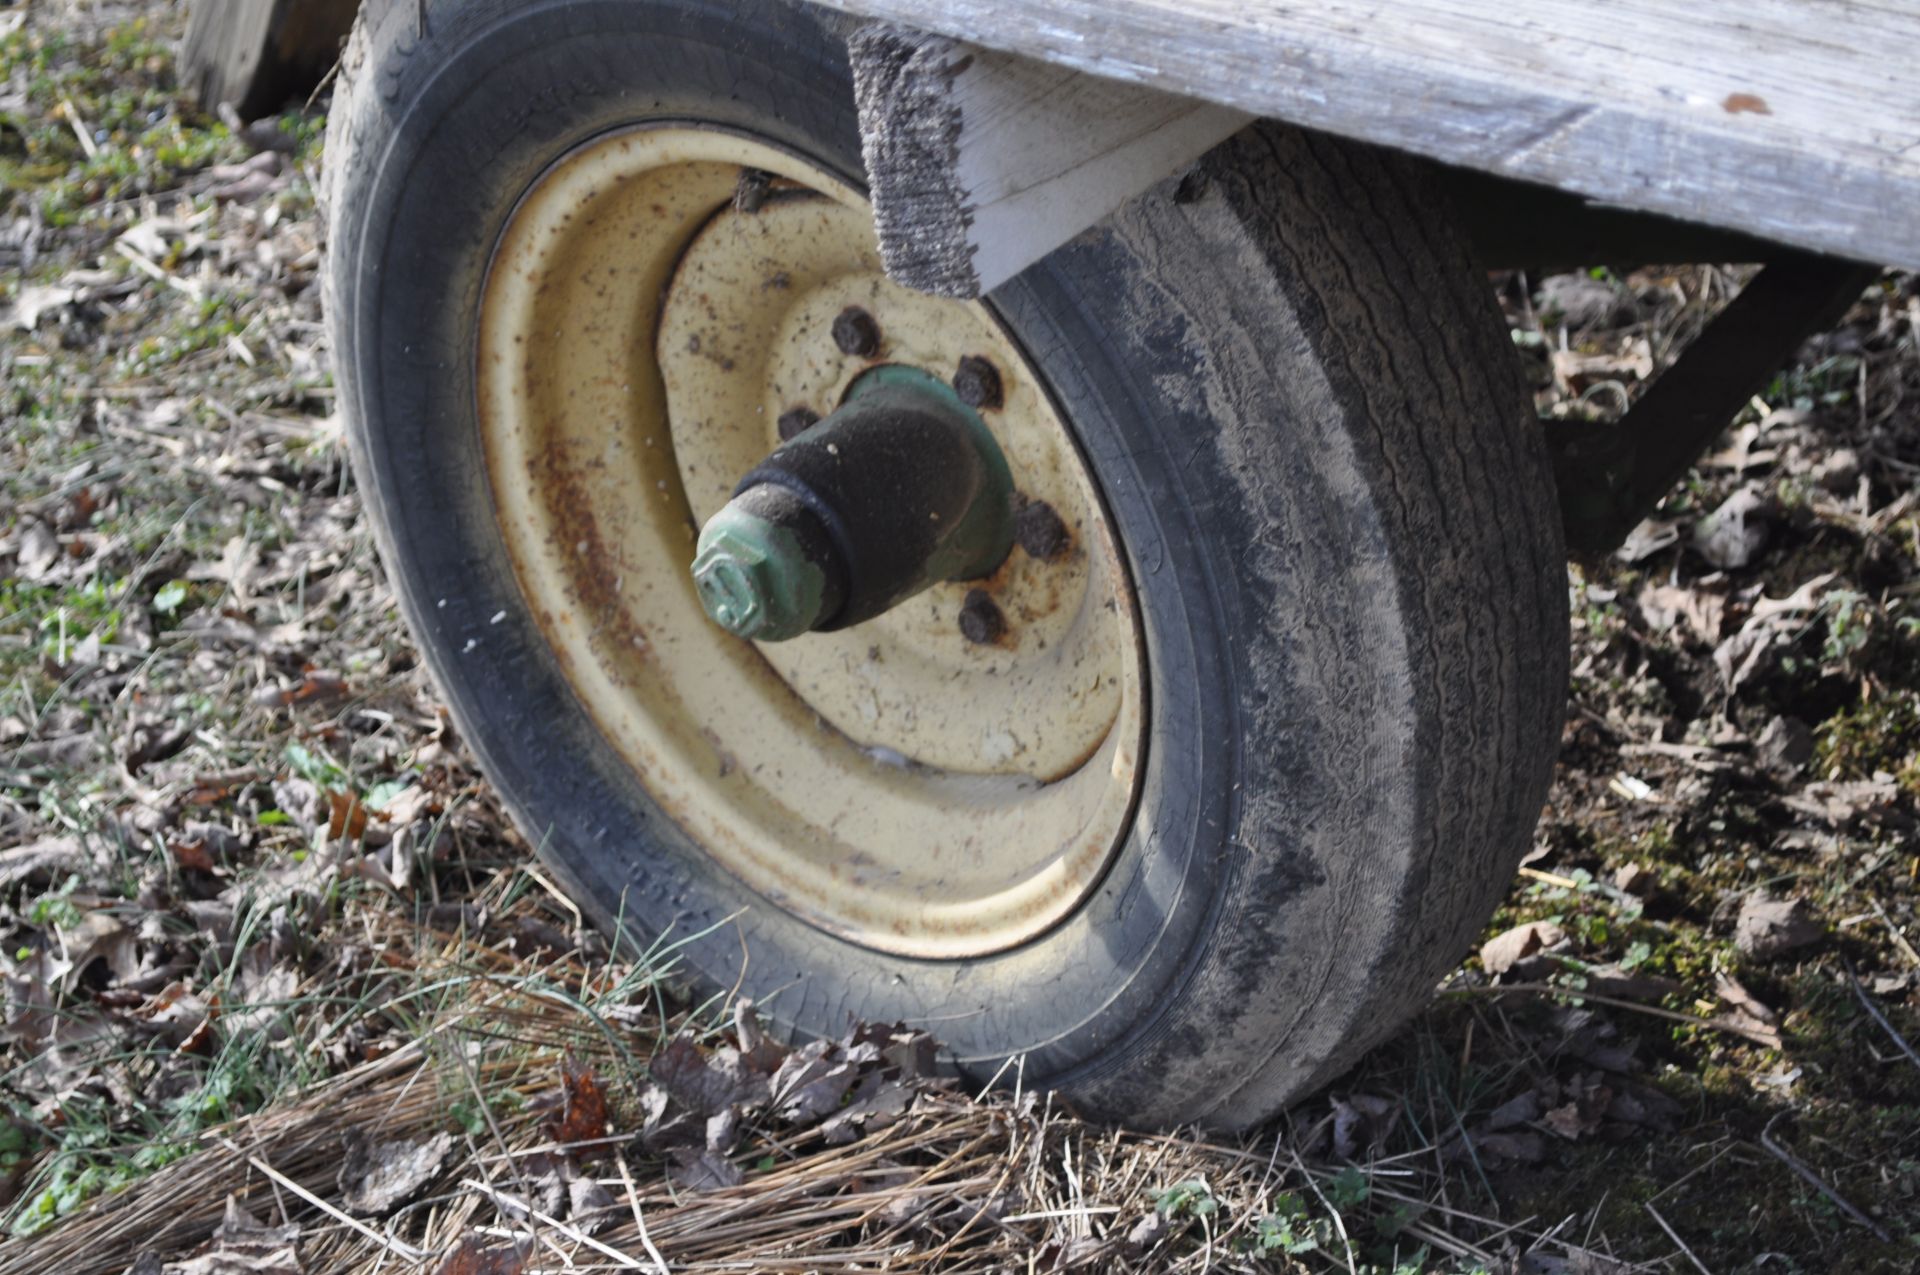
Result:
x=1613 y=476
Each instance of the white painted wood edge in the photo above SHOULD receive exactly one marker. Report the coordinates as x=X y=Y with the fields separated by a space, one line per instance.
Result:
x=1791 y=120
x=980 y=163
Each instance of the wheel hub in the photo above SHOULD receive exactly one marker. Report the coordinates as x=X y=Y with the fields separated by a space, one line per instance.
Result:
x=902 y=487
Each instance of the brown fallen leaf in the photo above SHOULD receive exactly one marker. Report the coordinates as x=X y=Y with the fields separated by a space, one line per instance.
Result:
x=1361 y=1122
x=1734 y=534
x=1502 y=952
x=42 y=863
x=698 y=1169
x=1785 y=746
x=377 y=1177
x=479 y=1256
x=1840 y=803
x=1734 y=993
x=153 y=741
x=1523 y=1109
x=192 y=856
x=1768 y=927
x=704 y=1086
x=1703 y=611
x=242 y=1246
x=1635 y=879
x=583 y=1110
x=346 y=816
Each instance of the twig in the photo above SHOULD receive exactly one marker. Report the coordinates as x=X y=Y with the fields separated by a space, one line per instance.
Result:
x=1814 y=1180
x=158 y=273
x=1675 y=1237
x=1867 y=1004
x=578 y=1237
x=80 y=130
x=1690 y=1174
x=1900 y=940
x=640 y=1223
x=1569 y=993
x=387 y=1242
x=1339 y=1223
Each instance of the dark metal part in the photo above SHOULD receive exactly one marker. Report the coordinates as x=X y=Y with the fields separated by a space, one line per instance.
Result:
x=1518 y=224
x=797 y=422
x=977 y=382
x=981 y=620
x=1038 y=530
x=1610 y=477
x=855 y=332
x=902 y=487
x=750 y=193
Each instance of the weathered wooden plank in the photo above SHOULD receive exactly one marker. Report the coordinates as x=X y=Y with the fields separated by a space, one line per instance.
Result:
x=1796 y=120
x=256 y=54
x=980 y=162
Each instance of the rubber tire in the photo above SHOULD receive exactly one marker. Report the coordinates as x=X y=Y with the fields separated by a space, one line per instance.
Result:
x=1301 y=407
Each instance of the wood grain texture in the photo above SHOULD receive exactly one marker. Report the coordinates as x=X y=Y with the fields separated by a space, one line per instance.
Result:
x=1796 y=120
x=256 y=55
x=981 y=162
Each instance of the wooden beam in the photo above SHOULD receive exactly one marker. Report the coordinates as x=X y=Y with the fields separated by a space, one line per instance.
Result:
x=980 y=163
x=1794 y=120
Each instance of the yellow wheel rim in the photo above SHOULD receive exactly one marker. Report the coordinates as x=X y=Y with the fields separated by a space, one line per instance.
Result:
x=893 y=783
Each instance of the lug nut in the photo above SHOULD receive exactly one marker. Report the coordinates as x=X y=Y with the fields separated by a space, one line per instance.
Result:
x=855 y=332
x=750 y=193
x=977 y=382
x=1038 y=530
x=981 y=621
x=797 y=422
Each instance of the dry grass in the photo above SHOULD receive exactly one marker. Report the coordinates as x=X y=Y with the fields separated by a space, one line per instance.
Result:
x=993 y=1182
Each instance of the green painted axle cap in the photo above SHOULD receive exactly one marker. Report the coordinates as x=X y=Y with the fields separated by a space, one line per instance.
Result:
x=755 y=579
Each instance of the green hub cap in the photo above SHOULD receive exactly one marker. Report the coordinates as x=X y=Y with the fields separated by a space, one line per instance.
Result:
x=758 y=578
x=901 y=488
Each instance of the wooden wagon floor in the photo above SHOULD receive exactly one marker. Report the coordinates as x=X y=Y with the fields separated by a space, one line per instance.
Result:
x=1797 y=120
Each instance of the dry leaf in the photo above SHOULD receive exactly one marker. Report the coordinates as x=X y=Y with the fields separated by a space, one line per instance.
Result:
x=1361 y=1122
x=479 y=1256
x=1768 y=927
x=1734 y=534
x=242 y=1246
x=1502 y=952
x=1704 y=611
x=583 y=1110
x=378 y=1177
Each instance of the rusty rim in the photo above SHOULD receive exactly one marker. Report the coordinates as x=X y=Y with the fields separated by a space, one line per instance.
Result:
x=947 y=780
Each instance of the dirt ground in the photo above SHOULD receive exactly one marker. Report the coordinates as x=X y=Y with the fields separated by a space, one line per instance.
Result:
x=285 y=992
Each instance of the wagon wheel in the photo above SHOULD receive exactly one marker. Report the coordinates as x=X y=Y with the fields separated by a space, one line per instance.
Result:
x=1187 y=796
x=259 y=54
